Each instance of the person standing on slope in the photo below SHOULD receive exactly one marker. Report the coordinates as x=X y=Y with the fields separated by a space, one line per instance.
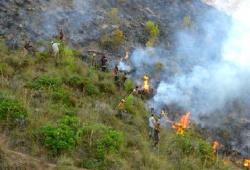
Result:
x=152 y=122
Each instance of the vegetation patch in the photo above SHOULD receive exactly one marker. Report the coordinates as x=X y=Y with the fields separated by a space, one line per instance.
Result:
x=46 y=81
x=12 y=112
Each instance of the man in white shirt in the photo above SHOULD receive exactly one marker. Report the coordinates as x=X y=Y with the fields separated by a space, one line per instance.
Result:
x=152 y=122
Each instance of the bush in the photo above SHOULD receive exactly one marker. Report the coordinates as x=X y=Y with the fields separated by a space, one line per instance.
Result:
x=12 y=112
x=153 y=32
x=109 y=143
x=75 y=80
x=6 y=70
x=186 y=21
x=99 y=141
x=129 y=104
x=117 y=38
x=113 y=41
x=61 y=95
x=128 y=85
x=62 y=136
x=192 y=146
x=107 y=86
x=46 y=81
x=91 y=88
x=113 y=16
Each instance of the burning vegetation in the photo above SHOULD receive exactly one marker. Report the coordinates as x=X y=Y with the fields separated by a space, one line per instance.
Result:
x=182 y=125
x=246 y=163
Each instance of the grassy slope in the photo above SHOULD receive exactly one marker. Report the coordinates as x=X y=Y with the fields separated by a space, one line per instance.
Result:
x=48 y=92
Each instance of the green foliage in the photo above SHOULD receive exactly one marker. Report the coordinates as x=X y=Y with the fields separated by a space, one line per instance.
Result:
x=109 y=143
x=187 y=21
x=129 y=104
x=61 y=95
x=46 y=81
x=191 y=145
x=75 y=80
x=103 y=142
x=6 y=70
x=107 y=86
x=12 y=112
x=61 y=136
x=91 y=89
x=153 y=32
x=113 y=41
x=128 y=85
x=113 y=16
x=117 y=38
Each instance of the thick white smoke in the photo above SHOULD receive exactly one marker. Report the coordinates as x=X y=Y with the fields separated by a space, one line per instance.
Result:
x=211 y=84
x=212 y=69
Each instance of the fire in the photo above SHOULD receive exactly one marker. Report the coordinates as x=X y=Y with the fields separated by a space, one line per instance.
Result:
x=146 y=84
x=215 y=146
x=182 y=124
x=246 y=163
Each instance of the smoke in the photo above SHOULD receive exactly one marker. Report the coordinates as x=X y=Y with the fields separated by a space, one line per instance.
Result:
x=211 y=64
x=70 y=16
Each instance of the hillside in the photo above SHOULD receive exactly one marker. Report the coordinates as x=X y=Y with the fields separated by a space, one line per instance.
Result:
x=62 y=114
x=187 y=61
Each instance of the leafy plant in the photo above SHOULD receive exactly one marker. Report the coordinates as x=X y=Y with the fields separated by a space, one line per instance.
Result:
x=12 y=112
x=153 y=32
x=75 y=80
x=91 y=89
x=109 y=143
x=46 y=81
x=60 y=136
x=128 y=85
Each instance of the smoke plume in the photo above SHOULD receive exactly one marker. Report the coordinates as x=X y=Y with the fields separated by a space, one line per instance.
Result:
x=212 y=75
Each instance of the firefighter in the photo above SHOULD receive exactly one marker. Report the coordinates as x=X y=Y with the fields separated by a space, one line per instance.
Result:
x=156 y=133
x=121 y=108
x=151 y=123
x=61 y=35
x=55 y=48
x=136 y=91
x=29 y=47
x=116 y=76
x=104 y=62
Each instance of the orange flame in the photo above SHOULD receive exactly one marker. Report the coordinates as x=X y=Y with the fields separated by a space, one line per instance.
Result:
x=146 y=84
x=246 y=163
x=215 y=146
x=182 y=124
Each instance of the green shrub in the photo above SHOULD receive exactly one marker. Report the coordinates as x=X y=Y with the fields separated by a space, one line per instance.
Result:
x=107 y=86
x=59 y=138
x=99 y=141
x=90 y=163
x=153 y=32
x=109 y=143
x=75 y=80
x=117 y=38
x=61 y=95
x=12 y=112
x=186 y=21
x=128 y=85
x=113 y=16
x=91 y=88
x=6 y=70
x=113 y=41
x=152 y=29
x=191 y=145
x=46 y=81
x=62 y=136
x=129 y=104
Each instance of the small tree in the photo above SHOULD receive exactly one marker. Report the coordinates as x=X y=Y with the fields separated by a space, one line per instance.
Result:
x=153 y=32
